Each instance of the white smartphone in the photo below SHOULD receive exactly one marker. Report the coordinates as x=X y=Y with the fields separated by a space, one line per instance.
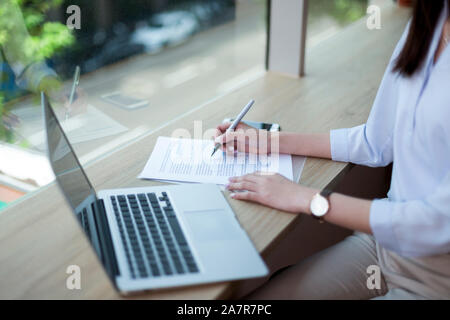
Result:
x=124 y=101
x=273 y=127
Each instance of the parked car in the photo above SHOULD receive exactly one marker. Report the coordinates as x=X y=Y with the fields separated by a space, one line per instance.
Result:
x=211 y=13
x=165 y=29
x=131 y=35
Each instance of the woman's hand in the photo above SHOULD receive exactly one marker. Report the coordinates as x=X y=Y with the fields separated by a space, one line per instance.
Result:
x=79 y=104
x=272 y=190
x=60 y=94
x=244 y=139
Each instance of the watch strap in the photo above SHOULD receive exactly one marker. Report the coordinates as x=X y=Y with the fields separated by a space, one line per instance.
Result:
x=326 y=193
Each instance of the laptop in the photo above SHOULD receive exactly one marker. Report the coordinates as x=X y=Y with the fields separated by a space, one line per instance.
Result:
x=153 y=237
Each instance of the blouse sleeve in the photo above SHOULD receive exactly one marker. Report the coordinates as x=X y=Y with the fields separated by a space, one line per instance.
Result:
x=417 y=227
x=29 y=71
x=370 y=144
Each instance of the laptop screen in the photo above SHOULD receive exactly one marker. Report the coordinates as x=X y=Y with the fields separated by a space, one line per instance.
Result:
x=69 y=174
x=78 y=190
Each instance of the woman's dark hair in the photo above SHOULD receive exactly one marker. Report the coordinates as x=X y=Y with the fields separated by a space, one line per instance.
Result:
x=426 y=14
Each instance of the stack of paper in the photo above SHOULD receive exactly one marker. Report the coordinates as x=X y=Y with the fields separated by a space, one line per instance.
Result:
x=186 y=160
x=87 y=126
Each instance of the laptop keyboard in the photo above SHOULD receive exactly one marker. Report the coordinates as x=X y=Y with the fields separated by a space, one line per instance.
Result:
x=83 y=218
x=154 y=243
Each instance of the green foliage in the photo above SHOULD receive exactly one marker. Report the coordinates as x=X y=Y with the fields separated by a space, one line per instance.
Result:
x=52 y=37
x=30 y=39
x=344 y=11
x=350 y=10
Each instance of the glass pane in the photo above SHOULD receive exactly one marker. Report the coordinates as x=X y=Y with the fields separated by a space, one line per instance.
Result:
x=327 y=17
x=143 y=63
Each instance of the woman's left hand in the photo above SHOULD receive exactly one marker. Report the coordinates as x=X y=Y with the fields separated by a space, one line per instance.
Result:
x=272 y=190
x=78 y=106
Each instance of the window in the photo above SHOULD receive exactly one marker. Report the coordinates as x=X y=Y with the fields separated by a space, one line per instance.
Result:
x=143 y=63
x=294 y=21
x=160 y=58
x=326 y=18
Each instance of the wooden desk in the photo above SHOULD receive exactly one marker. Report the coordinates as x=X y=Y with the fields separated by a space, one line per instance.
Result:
x=39 y=237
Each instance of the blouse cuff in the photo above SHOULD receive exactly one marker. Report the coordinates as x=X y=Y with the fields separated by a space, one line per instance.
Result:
x=31 y=77
x=339 y=145
x=381 y=224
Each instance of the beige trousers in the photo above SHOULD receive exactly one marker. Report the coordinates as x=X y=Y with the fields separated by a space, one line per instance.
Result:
x=339 y=272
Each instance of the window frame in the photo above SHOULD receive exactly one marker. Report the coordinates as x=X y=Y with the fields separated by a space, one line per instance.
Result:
x=286 y=36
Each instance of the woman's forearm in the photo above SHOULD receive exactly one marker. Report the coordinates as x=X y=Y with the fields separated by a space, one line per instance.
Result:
x=312 y=145
x=348 y=212
x=345 y=211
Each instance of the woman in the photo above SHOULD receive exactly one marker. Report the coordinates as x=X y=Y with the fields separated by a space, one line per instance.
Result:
x=21 y=72
x=407 y=234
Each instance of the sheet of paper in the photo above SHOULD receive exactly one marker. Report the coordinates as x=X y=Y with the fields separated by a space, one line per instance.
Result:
x=186 y=160
x=298 y=163
x=87 y=126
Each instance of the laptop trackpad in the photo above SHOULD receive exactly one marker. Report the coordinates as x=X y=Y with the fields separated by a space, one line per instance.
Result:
x=211 y=225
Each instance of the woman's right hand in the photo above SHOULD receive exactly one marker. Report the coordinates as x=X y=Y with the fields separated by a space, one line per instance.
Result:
x=243 y=139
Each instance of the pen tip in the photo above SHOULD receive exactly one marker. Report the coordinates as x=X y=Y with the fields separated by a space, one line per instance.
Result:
x=214 y=151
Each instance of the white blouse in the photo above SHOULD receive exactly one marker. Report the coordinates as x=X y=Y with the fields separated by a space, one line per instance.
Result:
x=409 y=125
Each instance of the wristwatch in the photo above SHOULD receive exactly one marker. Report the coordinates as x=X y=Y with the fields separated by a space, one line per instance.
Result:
x=320 y=204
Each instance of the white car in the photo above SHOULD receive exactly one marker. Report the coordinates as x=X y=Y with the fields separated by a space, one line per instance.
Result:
x=165 y=29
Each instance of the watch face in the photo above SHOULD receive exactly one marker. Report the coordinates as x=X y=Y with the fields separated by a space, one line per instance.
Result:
x=319 y=205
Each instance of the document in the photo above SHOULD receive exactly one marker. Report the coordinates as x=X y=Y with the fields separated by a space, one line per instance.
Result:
x=93 y=124
x=298 y=163
x=189 y=160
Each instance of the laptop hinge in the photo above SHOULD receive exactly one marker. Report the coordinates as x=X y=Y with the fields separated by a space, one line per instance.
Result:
x=108 y=254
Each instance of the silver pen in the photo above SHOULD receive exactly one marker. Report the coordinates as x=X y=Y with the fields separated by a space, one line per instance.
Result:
x=235 y=123
x=76 y=81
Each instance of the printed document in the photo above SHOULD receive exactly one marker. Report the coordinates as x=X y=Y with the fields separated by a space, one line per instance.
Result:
x=189 y=160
